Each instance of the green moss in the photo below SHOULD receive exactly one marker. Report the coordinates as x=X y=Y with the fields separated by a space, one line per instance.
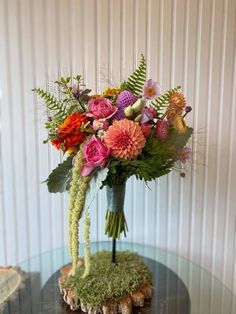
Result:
x=108 y=281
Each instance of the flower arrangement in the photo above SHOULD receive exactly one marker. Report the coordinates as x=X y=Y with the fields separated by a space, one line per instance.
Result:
x=133 y=129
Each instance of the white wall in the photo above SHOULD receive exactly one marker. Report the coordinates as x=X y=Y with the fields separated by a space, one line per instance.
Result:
x=186 y=42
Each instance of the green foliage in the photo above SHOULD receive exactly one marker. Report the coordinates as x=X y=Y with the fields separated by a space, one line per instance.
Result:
x=108 y=281
x=176 y=141
x=59 y=107
x=136 y=81
x=156 y=160
x=60 y=178
x=95 y=185
x=162 y=101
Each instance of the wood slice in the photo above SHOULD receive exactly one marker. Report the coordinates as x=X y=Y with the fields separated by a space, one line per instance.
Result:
x=10 y=281
x=137 y=298
x=125 y=306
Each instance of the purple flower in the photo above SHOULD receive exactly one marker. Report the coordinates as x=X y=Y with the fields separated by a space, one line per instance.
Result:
x=151 y=89
x=188 y=109
x=78 y=93
x=184 y=154
x=124 y=99
x=76 y=90
x=148 y=113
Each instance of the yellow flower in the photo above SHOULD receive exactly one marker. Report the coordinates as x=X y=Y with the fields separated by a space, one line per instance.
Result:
x=110 y=92
x=179 y=124
x=72 y=150
x=95 y=96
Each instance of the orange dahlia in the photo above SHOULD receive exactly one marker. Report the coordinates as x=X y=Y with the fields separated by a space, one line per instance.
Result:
x=125 y=139
x=69 y=132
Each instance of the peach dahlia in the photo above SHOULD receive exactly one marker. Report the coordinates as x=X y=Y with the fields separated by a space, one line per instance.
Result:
x=125 y=139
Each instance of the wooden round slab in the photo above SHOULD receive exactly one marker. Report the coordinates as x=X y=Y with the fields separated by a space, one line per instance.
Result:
x=169 y=295
x=10 y=281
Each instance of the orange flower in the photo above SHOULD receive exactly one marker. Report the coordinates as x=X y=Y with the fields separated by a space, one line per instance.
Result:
x=125 y=139
x=69 y=132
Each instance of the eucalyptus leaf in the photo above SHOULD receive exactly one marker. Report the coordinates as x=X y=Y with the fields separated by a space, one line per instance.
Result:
x=86 y=91
x=94 y=186
x=59 y=179
x=179 y=140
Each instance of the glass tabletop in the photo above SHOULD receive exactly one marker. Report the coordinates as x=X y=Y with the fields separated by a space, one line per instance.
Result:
x=207 y=294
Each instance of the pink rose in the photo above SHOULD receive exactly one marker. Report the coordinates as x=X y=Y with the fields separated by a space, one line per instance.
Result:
x=148 y=113
x=95 y=154
x=101 y=108
x=146 y=129
x=100 y=125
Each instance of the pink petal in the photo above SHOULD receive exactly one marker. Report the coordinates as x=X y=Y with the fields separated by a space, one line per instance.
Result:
x=86 y=170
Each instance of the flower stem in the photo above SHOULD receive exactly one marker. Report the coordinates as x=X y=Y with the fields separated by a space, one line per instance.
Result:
x=113 y=251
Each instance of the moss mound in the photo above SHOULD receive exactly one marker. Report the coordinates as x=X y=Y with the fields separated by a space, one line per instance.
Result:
x=109 y=281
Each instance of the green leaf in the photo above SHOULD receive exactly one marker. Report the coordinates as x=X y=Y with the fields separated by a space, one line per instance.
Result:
x=52 y=103
x=176 y=141
x=59 y=179
x=94 y=186
x=136 y=81
x=163 y=100
x=86 y=91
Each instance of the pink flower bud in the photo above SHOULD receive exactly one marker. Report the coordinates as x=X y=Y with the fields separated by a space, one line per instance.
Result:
x=162 y=130
x=100 y=125
x=146 y=129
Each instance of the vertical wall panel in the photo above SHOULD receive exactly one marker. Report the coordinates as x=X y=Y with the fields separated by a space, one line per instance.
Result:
x=186 y=42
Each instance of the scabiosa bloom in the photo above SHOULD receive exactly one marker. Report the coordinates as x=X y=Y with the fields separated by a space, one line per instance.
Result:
x=146 y=129
x=125 y=139
x=162 y=130
x=151 y=89
x=188 y=109
x=124 y=99
x=184 y=154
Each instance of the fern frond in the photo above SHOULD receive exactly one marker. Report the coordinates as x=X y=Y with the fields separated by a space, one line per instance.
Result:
x=136 y=81
x=59 y=107
x=162 y=101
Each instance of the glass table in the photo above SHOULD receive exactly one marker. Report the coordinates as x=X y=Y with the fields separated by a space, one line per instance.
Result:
x=180 y=287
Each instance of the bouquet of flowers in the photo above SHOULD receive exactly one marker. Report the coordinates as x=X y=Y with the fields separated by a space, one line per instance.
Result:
x=133 y=129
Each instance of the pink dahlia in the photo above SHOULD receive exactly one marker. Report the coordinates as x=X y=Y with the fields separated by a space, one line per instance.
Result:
x=125 y=139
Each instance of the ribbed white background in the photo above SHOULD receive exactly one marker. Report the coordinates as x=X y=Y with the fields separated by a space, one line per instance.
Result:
x=186 y=42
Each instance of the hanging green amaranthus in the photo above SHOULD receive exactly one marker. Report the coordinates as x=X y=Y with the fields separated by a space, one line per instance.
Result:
x=76 y=215
x=86 y=235
x=74 y=187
